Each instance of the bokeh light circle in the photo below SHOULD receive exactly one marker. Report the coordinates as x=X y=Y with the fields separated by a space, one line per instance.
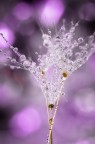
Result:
x=8 y=34
x=25 y=122
x=52 y=12
x=22 y=11
x=85 y=100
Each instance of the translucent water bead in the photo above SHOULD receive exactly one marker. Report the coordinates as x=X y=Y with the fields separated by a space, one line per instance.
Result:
x=13 y=60
x=26 y=64
x=64 y=51
x=91 y=39
x=15 y=49
x=22 y=58
x=46 y=40
x=80 y=40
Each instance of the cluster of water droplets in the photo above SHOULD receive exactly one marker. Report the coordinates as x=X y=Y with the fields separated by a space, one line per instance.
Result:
x=64 y=55
x=61 y=49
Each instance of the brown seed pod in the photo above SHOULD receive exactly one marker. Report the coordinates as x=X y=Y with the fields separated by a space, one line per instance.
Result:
x=43 y=72
x=51 y=106
x=65 y=74
x=50 y=121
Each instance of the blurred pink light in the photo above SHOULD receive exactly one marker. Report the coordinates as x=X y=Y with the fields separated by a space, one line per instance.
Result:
x=22 y=11
x=83 y=142
x=85 y=100
x=52 y=12
x=25 y=122
x=8 y=34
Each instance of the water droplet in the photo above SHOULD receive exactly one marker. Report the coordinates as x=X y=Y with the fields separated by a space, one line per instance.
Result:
x=45 y=36
x=78 y=55
x=91 y=39
x=13 y=60
x=26 y=64
x=49 y=32
x=80 y=40
x=12 y=67
x=36 y=53
x=11 y=47
x=16 y=49
x=92 y=49
x=18 y=67
x=86 y=46
x=46 y=43
x=72 y=23
x=22 y=58
x=63 y=93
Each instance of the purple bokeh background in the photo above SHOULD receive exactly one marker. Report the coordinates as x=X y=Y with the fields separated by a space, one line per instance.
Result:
x=23 y=118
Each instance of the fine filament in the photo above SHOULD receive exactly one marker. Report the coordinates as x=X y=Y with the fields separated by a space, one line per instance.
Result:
x=53 y=118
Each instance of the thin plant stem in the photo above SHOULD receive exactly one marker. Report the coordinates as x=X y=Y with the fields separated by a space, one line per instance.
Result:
x=54 y=115
x=51 y=138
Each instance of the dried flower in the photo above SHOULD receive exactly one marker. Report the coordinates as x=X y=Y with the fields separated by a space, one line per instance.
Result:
x=64 y=56
x=61 y=58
